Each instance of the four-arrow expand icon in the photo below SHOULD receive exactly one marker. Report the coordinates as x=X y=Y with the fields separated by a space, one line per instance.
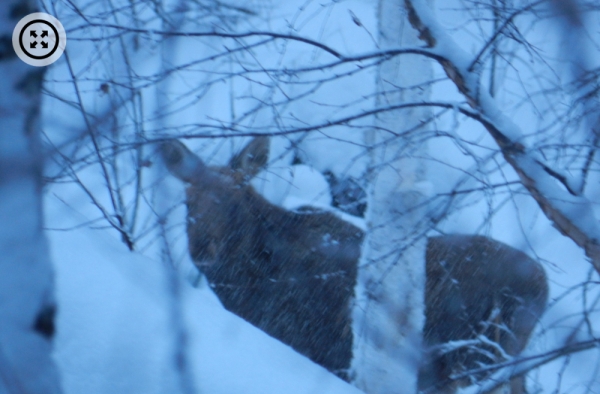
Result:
x=33 y=44
x=39 y=39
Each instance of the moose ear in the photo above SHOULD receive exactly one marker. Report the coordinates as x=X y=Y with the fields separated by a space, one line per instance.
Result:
x=180 y=161
x=252 y=158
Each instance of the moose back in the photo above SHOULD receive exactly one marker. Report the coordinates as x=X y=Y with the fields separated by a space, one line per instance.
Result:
x=292 y=274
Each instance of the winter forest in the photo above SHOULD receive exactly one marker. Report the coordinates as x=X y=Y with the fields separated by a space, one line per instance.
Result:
x=302 y=196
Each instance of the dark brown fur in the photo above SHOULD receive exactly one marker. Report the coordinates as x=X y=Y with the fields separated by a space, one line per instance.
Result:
x=292 y=274
x=477 y=286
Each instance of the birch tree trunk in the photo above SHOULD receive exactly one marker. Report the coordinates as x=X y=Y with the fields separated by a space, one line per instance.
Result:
x=26 y=276
x=182 y=362
x=389 y=314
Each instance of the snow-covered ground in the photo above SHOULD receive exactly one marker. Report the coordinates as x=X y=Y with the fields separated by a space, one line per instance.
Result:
x=115 y=333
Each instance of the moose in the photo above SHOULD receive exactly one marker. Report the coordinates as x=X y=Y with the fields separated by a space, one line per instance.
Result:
x=292 y=274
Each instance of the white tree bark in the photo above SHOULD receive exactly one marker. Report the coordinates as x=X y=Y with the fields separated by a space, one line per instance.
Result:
x=556 y=193
x=26 y=276
x=388 y=316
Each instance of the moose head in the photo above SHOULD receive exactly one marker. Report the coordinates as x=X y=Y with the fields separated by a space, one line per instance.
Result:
x=292 y=274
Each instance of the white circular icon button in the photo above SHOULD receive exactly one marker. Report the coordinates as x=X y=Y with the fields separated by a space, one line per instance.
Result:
x=39 y=39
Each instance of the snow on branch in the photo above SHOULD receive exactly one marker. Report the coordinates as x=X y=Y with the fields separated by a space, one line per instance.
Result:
x=570 y=212
x=517 y=366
